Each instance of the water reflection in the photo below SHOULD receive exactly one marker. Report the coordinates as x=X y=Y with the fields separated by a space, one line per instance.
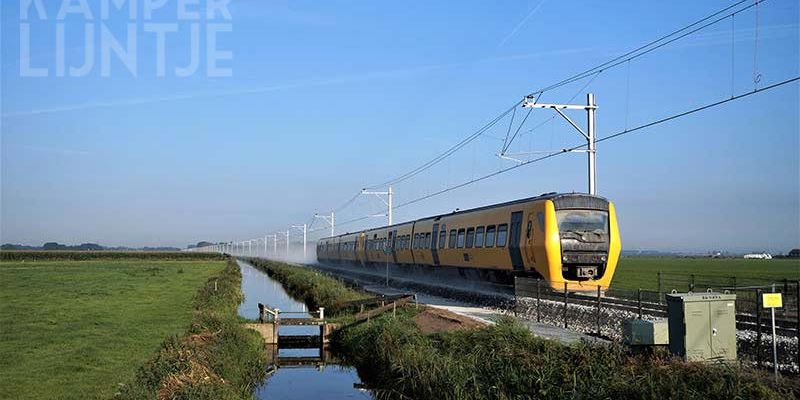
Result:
x=326 y=382
x=301 y=373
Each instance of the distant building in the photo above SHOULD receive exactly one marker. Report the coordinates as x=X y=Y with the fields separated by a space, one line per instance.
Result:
x=759 y=256
x=795 y=253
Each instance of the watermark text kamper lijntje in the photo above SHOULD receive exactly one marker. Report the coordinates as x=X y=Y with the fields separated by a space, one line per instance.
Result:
x=118 y=31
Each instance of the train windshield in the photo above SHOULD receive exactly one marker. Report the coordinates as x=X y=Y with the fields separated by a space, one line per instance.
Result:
x=582 y=221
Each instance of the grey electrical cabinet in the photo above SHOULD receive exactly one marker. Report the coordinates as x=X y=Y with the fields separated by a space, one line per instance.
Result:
x=637 y=332
x=702 y=326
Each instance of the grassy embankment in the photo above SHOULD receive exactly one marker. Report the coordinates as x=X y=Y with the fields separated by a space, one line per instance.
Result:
x=507 y=361
x=642 y=272
x=77 y=329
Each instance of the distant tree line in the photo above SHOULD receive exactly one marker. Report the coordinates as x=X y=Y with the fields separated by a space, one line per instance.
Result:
x=200 y=244
x=80 y=247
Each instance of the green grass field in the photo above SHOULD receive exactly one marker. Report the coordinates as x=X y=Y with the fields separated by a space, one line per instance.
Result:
x=642 y=272
x=76 y=329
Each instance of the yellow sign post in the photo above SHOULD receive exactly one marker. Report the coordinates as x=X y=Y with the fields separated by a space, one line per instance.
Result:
x=773 y=301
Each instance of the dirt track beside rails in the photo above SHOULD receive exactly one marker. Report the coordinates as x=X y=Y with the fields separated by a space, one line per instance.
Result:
x=434 y=320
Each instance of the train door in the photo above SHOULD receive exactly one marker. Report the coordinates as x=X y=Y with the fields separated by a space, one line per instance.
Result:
x=434 y=242
x=411 y=242
x=366 y=249
x=530 y=238
x=361 y=249
x=514 y=240
x=392 y=241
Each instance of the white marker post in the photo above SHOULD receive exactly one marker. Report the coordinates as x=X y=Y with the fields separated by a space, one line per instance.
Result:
x=773 y=301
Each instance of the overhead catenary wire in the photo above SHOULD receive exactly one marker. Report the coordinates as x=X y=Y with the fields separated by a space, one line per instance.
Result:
x=603 y=139
x=449 y=151
x=652 y=45
x=510 y=125
x=521 y=124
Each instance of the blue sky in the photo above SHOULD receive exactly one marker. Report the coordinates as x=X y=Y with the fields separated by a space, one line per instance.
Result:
x=327 y=98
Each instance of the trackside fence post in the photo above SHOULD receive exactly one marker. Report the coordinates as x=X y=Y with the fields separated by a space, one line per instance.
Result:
x=797 y=328
x=660 y=287
x=691 y=284
x=566 y=306
x=599 y=304
x=538 y=300
x=516 y=297
x=639 y=301
x=758 y=327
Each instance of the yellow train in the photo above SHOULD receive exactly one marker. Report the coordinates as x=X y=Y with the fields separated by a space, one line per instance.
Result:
x=567 y=238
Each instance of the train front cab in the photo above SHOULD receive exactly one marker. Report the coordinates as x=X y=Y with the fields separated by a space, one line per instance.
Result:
x=573 y=238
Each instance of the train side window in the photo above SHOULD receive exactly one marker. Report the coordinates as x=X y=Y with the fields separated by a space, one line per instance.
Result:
x=470 y=237
x=460 y=242
x=452 y=243
x=502 y=231
x=442 y=238
x=530 y=225
x=416 y=241
x=428 y=240
x=490 y=230
x=479 y=237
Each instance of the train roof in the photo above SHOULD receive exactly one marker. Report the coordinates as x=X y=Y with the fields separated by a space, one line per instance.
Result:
x=568 y=199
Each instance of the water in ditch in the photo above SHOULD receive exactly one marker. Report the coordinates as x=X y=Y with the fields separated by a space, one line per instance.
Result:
x=324 y=378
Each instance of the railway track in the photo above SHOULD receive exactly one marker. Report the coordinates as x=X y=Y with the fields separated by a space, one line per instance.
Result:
x=502 y=296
